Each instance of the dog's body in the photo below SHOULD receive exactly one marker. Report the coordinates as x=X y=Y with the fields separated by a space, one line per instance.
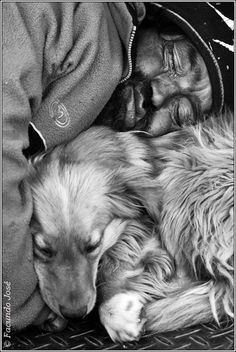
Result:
x=148 y=221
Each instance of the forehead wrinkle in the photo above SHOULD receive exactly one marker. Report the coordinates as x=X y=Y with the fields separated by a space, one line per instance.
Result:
x=193 y=56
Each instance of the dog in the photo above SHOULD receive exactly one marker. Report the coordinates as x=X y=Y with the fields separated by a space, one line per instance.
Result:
x=142 y=225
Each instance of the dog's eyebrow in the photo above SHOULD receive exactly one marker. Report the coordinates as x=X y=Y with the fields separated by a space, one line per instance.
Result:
x=39 y=240
x=96 y=236
x=94 y=242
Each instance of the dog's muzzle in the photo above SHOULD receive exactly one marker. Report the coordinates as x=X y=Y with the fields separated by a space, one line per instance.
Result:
x=78 y=308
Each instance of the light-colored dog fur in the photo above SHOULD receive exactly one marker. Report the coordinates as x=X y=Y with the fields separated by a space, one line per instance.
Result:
x=142 y=225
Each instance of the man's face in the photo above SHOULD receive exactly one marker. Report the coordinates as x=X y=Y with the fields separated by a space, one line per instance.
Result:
x=170 y=85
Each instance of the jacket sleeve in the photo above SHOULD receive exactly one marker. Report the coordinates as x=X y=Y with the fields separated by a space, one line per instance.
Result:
x=83 y=63
x=22 y=91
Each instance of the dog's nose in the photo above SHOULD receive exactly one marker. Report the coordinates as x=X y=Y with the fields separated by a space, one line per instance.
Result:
x=73 y=313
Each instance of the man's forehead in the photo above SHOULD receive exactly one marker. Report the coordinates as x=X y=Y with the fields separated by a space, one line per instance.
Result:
x=151 y=62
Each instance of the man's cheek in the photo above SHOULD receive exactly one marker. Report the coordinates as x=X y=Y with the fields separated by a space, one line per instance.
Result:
x=162 y=88
x=175 y=113
x=160 y=123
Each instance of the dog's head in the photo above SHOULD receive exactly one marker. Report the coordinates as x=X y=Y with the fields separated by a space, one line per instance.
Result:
x=78 y=208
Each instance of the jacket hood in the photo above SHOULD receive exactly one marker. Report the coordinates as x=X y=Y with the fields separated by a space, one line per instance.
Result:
x=210 y=27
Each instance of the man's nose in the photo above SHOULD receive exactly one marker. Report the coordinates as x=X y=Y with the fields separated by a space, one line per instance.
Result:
x=157 y=95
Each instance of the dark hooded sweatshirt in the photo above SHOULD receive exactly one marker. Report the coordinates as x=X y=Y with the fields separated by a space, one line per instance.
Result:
x=61 y=63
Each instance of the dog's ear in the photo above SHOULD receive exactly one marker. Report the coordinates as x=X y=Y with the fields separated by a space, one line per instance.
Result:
x=112 y=232
x=33 y=164
x=39 y=162
x=146 y=187
x=123 y=200
x=134 y=192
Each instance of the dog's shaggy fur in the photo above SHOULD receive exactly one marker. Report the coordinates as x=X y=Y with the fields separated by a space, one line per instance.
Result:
x=144 y=225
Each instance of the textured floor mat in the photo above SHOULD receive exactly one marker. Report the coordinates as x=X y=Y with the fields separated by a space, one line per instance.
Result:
x=88 y=334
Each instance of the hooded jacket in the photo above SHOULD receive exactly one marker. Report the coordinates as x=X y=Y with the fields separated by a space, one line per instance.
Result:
x=58 y=73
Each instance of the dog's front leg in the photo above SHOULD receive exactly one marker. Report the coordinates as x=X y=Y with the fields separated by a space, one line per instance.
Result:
x=130 y=275
x=121 y=309
x=122 y=317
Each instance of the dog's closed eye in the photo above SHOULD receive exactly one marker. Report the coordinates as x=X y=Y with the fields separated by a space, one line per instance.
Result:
x=41 y=249
x=94 y=243
x=92 y=249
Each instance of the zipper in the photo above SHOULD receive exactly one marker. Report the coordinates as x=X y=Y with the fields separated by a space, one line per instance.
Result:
x=129 y=55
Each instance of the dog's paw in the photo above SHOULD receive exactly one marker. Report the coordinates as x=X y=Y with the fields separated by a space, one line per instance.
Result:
x=53 y=323
x=122 y=316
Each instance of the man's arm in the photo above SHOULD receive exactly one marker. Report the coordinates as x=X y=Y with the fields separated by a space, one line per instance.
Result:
x=50 y=60
x=21 y=93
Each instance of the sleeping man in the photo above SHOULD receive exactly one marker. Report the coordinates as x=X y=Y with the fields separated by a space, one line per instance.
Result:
x=171 y=84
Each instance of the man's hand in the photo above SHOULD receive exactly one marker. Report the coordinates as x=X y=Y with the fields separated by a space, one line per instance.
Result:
x=47 y=320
